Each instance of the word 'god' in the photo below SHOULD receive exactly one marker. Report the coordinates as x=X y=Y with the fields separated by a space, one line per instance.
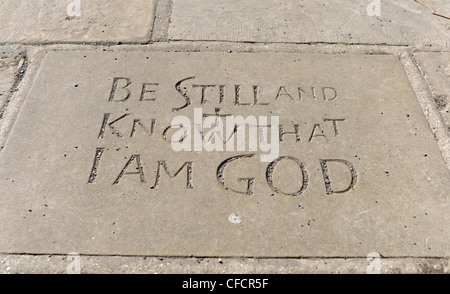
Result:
x=226 y=170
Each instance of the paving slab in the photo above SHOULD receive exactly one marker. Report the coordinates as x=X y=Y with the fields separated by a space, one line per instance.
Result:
x=435 y=67
x=44 y=21
x=7 y=71
x=10 y=72
x=89 y=166
x=62 y=264
x=351 y=22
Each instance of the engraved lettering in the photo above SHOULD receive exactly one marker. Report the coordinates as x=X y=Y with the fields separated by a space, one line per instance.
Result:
x=326 y=176
x=183 y=93
x=145 y=89
x=240 y=122
x=221 y=93
x=140 y=172
x=187 y=164
x=256 y=94
x=237 y=96
x=216 y=114
x=274 y=145
x=271 y=168
x=326 y=92
x=174 y=137
x=335 y=125
x=204 y=88
x=250 y=182
x=320 y=133
x=198 y=125
x=115 y=84
x=181 y=140
x=103 y=127
x=105 y=123
x=98 y=156
x=213 y=139
x=283 y=92
x=296 y=132
x=138 y=122
x=313 y=91
x=300 y=93
x=221 y=178
x=215 y=121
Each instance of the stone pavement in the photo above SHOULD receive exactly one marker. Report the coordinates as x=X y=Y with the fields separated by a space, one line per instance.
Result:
x=117 y=157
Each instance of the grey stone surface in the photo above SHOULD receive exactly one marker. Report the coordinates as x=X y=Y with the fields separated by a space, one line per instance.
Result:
x=44 y=21
x=9 y=68
x=13 y=65
x=162 y=19
x=436 y=70
x=62 y=264
x=49 y=222
x=399 y=22
x=6 y=80
x=398 y=207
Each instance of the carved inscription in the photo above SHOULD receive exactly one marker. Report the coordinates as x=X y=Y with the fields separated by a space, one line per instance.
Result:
x=304 y=175
x=190 y=92
x=215 y=93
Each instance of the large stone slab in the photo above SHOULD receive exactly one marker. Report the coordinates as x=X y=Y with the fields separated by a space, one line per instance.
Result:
x=396 y=22
x=436 y=68
x=76 y=21
x=88 y=166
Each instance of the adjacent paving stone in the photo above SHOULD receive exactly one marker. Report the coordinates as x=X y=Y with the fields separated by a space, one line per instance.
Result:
x=89 y=167
x=436 y=69
x=46 y=264
x=399 y=22
x=6 y=79
x=76 y=21
x=9 y=68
